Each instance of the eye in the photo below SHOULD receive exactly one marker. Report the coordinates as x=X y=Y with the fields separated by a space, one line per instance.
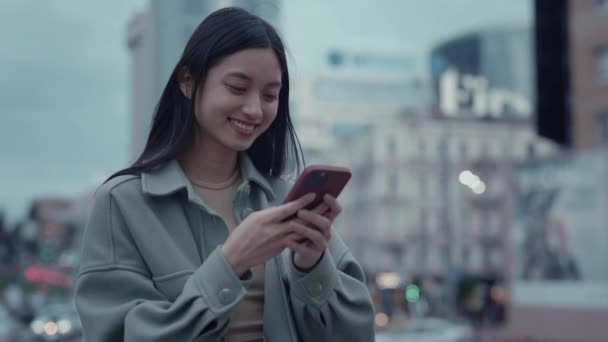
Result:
x=270 y=97
x=236 y=89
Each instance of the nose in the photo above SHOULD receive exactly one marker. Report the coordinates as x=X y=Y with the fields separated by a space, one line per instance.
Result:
x=253 y=106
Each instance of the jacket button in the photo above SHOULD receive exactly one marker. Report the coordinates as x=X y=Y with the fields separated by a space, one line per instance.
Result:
x=246 y=212
x=314 y=288
x=226 y=296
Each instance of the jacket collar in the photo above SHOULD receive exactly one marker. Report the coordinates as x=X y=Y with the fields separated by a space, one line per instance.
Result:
x=170 y=178
x=251 y=174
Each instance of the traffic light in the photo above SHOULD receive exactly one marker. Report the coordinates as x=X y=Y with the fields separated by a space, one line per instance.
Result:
x=412 y=293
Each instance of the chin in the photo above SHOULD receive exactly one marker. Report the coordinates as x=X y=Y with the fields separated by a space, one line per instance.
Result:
x=239 y=147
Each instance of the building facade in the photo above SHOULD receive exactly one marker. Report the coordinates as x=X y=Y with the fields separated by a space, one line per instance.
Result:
x=584 y=317
x=588 y=36
x=486 y=73
x=329 y=105
x=409 y=207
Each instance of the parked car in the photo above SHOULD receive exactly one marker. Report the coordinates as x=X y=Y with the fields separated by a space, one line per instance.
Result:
x=56 y=322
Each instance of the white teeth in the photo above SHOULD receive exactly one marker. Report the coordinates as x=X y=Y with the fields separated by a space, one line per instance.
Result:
x=248 y=128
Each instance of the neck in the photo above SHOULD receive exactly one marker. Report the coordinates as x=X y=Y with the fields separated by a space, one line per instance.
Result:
x=209 y=162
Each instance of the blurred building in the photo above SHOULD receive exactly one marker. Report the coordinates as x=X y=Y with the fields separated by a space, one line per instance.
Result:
x=330 y=105
x=7 y=252
x=438 y=177
x=571 y=69
x=410 y=209
x=410 y=171
x=49 y=240
x=485 y=74
x=430 y=187
x=156 y=38
x=396 y=61
x=572 y=50
x=355 y=88
x=588 y=36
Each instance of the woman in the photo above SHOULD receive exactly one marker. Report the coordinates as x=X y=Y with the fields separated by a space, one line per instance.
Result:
x=191 y=242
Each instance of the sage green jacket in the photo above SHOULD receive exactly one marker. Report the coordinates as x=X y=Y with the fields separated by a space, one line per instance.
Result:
x=152 y=269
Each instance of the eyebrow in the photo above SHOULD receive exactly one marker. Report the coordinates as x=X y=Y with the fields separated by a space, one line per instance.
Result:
x=246 y=77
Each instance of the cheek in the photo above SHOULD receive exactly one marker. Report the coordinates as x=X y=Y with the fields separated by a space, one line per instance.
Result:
x=270 y=112
x=199 y=109
x=269 y=116
x=214 y=106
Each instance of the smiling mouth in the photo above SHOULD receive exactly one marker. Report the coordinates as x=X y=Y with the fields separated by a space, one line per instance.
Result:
x=242 y=127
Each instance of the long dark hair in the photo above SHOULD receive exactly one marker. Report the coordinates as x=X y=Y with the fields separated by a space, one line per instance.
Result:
x=222 y=33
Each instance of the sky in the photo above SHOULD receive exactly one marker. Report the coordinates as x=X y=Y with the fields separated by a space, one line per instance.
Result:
x=409 y=27
x=64 y=74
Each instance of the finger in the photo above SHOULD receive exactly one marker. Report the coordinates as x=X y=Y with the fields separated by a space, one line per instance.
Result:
x=287 y=230
x=326 y=233
x=291 y=208
x=322 y=223
x=294 y=237
x=321 y=208
x=301 y=248
x=317 y=239
x=310 y=246
x=322 y=228
x=334 y=207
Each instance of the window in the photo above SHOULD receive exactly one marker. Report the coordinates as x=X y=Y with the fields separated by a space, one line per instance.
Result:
x=602 y=64
x=464 y=151
x=393 y=221
x=392 y=148
x=393 y=183
x=422 y=150
x=422 y=185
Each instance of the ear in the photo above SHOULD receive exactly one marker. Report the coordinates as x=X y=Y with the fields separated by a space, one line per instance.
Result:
x=186 y=83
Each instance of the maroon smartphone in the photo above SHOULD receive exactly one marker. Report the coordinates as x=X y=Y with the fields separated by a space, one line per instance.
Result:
x=320 y=179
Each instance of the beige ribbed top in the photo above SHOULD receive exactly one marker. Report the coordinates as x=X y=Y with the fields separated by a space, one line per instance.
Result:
x=247 y=322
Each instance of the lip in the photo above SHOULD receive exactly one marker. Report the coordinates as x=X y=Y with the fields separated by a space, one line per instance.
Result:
x=245 y=122
x=240 y=130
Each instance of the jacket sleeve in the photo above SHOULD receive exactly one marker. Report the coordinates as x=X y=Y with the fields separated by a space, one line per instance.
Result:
x=331 y=302
x=116 y=297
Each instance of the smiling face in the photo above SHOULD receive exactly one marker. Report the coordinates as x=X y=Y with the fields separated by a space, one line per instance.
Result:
x=238 y=100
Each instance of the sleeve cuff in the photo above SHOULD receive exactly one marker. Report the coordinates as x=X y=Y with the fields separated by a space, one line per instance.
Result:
x=317 y=285
x=219 y=285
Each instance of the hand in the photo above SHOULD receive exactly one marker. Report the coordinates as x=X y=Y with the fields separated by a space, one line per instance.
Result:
x=262 y=235
x=315 y=226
